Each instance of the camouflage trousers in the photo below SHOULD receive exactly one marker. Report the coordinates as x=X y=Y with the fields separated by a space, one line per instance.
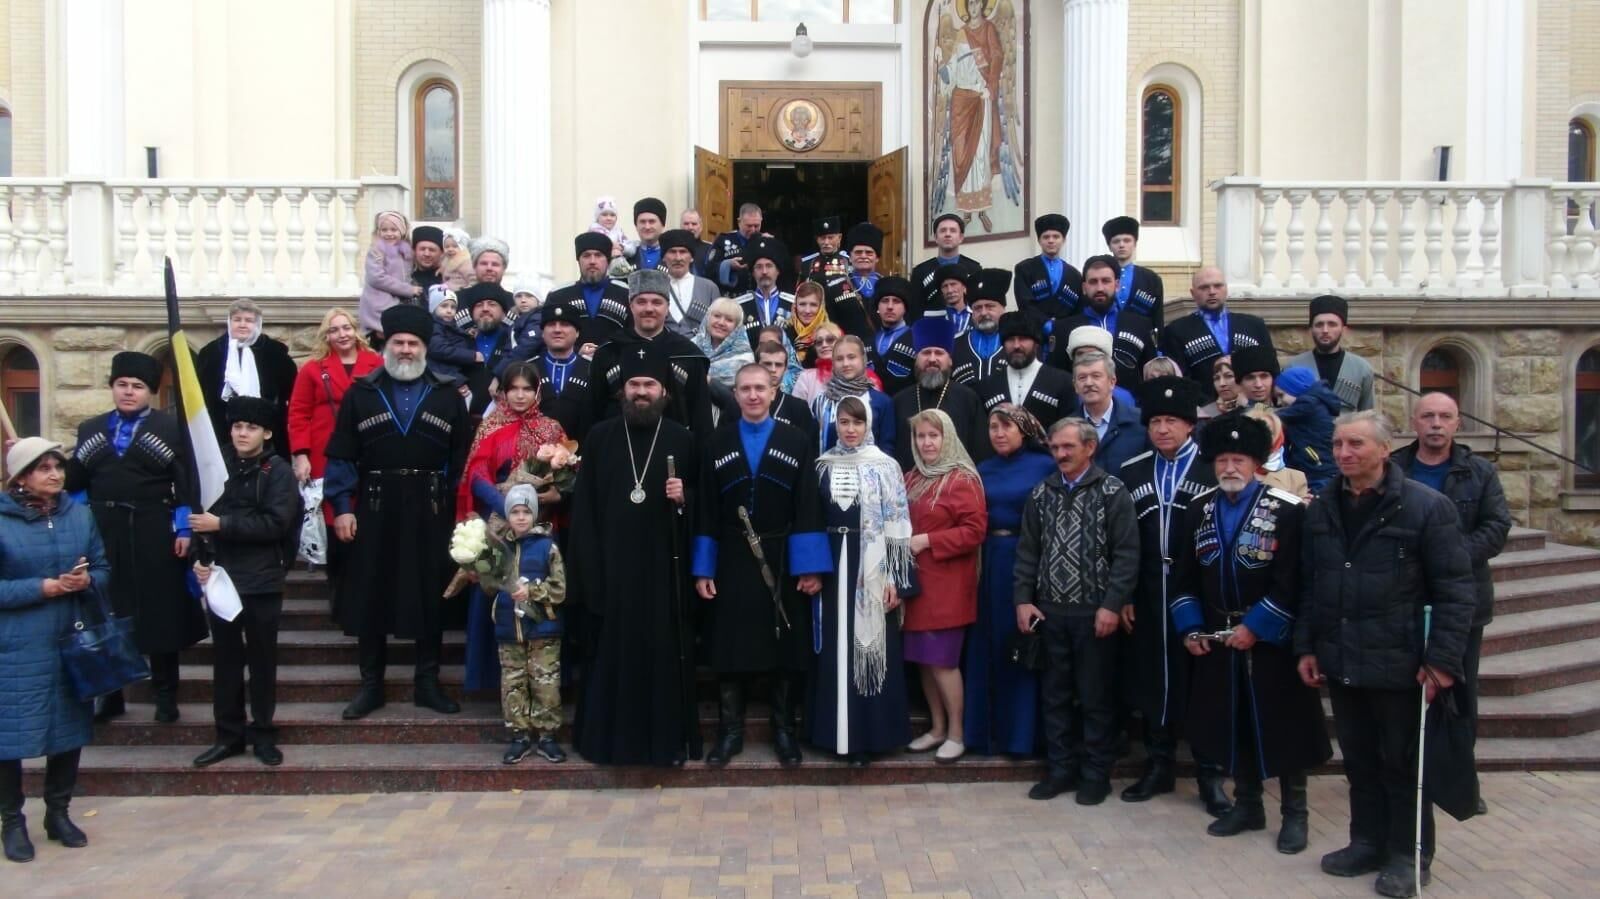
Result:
x=530 y=686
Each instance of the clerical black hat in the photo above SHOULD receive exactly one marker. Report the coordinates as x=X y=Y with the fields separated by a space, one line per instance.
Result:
x=571 y=311
x=1328 y=304
x=403 y=319
x=764 y=247
x=960 y=222
x=643 y=360
x=140 y=366
x=650 y=204
x=1051 y=221
x=427 y=234
x=677 y=239
x=468 y=298
x=989 y=284
x=252 y=409
x=864 y=234
x=1018 y=324
x=953 y=272
x=1170 y=395
x=1236 y=432
x=591 y=240
x=1122 y=224
x=828 y=224
x=1249 y=359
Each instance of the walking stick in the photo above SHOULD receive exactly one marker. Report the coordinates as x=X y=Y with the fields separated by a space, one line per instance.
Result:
x=1422 y=739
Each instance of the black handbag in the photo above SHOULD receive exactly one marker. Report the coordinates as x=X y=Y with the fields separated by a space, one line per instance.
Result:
x=1026 y=650
x=99 y=655
x=1450 y=776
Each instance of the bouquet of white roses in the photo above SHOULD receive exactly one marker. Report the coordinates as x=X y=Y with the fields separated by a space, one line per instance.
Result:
x=483 y=557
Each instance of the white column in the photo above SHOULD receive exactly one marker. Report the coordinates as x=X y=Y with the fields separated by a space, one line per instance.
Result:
x=1094 y=182
x=516 y=133
x=1494 y=76
x=95 y=132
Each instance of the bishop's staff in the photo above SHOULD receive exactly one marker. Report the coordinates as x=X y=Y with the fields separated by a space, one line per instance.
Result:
x=689 y=708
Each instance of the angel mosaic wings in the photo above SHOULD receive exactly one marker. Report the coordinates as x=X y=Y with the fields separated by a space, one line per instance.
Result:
x=976 y=109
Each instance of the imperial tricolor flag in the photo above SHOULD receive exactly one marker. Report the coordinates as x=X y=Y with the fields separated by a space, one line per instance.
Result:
x=210 y=469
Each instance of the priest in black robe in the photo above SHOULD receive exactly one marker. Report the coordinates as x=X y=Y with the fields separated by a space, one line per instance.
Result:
x=758 y=477
x=637 y=705
x=132 y=464
x=397 y=448
x=689 y=395
x=933 y=339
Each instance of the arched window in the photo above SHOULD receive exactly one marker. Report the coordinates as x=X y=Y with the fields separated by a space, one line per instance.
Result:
x=1441 y=373
x=1580 y=161
x=436 y=168
x=5 y=142
x=1160 y=159
x=19 y=389
x=1586 y=433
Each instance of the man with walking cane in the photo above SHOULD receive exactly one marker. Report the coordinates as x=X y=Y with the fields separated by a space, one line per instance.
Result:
x=1378 y=549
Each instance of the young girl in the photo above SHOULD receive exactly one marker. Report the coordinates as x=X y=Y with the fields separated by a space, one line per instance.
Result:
x=529 y=633
x=455 y=269
x=605 y=222
x=388 y=270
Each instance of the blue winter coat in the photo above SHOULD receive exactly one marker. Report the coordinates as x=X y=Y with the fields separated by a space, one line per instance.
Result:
x=39 y=715
x=1308 y=434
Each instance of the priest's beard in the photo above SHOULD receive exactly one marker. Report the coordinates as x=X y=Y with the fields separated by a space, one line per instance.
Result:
x=932 y=379
x=401 y=369
x=644 y=415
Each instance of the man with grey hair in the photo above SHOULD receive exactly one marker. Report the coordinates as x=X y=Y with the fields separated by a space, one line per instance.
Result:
x=1077 y=562
x=691 y=222
x=1378 y=548
x=726 y=263
x=246 y=362
x=1117 y=426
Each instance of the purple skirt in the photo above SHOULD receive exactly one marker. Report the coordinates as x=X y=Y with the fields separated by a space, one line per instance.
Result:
x=941 y=649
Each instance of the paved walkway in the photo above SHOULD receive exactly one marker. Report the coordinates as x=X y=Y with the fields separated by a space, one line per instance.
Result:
x=1542 y=837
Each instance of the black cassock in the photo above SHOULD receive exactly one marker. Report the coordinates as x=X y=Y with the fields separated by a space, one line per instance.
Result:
x=404 y=503
x=1161 y=498
x=638 y=688
x=689 y=395
x=133 y=497
x=744 y=632
x=958 y=401
x=1251 y=579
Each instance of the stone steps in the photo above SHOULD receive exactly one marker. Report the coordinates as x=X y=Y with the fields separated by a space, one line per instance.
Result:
x=1533 y=670
x=1544 y=627
x=1550 y=559
x=330 y=647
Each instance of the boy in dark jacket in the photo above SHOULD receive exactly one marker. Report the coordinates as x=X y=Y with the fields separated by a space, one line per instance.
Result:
x=450 y=349
x=529 y=633
x=1307 y=416
x=252 y=527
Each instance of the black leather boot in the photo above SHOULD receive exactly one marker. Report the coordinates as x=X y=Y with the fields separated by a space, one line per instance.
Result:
x=1247 y=812
x=164 y=683
x=370 y=698
x=109 y=706
x=730 y=723
x=784 y=741
x=60 y=777
x=428 y=694
x=1212 y=795
x=13 y=826
x=1292 y=837
x=1158 y=778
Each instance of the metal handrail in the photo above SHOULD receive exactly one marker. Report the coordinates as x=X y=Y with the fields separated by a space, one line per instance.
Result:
x=1498 y=431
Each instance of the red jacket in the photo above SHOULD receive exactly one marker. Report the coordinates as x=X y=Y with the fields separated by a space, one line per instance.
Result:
x=314 y=404
x=948 y=569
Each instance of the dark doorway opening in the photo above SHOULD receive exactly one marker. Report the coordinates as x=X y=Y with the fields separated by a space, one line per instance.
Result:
x=792 y=195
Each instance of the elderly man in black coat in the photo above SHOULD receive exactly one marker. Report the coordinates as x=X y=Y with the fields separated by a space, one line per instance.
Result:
x=1380 y=550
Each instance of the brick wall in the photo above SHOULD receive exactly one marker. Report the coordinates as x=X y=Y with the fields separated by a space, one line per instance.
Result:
x=22 y=82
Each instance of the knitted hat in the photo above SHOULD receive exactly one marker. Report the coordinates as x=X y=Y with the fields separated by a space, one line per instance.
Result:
x=437 y=294
x=522 y=495
x=1296 y=380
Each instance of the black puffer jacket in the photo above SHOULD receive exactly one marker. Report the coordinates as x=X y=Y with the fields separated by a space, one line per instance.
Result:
x=260 y=512
x=1474 y=486
x=1361 y=609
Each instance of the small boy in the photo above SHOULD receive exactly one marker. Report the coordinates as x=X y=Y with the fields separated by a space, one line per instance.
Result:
x=1307 y=409
x=529 y=633
x=254 y=527
x=450 y=348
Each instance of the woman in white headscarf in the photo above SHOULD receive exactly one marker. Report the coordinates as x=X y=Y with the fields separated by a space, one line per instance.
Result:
x=857 y=704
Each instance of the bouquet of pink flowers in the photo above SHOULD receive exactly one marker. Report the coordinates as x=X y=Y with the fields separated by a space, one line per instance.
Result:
x=555 y=465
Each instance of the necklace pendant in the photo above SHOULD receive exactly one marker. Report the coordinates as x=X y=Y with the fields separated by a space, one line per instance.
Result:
x=637 y=496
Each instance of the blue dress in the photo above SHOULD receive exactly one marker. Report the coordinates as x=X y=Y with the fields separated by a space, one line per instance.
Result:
x=1002 y=713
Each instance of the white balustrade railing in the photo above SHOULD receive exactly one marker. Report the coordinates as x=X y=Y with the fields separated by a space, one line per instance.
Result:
x=1520 y=238
x=225 y=238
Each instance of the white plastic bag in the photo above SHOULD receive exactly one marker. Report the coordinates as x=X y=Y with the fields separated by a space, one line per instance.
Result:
x=313 y=527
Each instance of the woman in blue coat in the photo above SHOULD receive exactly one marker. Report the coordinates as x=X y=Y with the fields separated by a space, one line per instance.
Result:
x=50 y=553
x=1002 y=714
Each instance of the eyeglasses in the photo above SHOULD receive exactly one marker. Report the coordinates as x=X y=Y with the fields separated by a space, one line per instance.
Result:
x=826 y=341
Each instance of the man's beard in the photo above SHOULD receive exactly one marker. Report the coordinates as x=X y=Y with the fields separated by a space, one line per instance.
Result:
x=1327 y=349
x=1100 y=305
x=1232 y=485
x=591 y=278
x=1019 y=359
x=933 y=379
x=985 y=325
x=646 y=415
x=401 y=369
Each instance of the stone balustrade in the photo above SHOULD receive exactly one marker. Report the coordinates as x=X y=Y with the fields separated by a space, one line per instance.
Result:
x=226 y=238
x=1408 y=238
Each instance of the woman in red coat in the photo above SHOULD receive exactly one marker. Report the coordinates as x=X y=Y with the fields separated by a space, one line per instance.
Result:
x=948 y=522
x=342 y=355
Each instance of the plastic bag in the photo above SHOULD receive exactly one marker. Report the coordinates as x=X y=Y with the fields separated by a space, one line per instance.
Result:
x=313 y=527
